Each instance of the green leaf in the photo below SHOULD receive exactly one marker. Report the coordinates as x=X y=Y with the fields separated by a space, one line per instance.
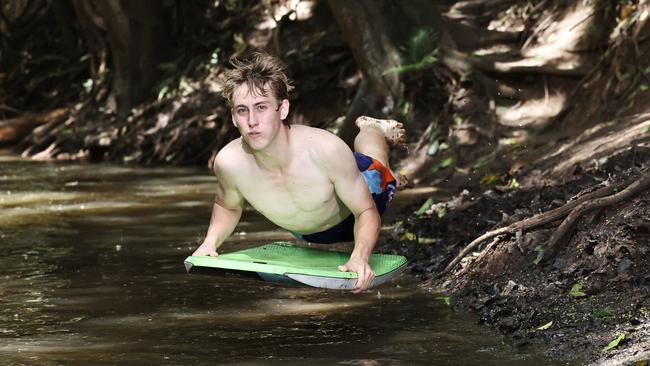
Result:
x=441 y=212
x=444 y=299
x=442 y=165
x=576 y=290
x=540 y=254
x=481 y=163
x=434 y=148
x=447 y=162
x=602 y=312
x=490 y=179
x=407 y=235
x=546 y=326
x=614 y=343
x=407 y=107
x=425 y=206
x=513 y=184
x=643 y=87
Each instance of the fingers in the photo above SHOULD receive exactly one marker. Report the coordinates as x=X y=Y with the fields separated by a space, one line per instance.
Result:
x=364 y=279
x=364 y=274
x=213 y=254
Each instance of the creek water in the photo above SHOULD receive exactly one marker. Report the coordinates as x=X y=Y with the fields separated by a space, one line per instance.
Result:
x=91 y=273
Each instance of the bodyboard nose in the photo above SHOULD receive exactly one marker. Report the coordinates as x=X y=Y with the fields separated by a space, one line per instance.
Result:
x=188 y=266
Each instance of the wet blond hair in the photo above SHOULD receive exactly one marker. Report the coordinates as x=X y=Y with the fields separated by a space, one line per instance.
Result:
x=261 y=72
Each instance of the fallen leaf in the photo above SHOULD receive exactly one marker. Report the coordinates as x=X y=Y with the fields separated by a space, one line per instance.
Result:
x=490 y=179
x=614 y=343
x=602 y=312
x=540 y=254
x=408 y=236
x=425 y=206
x=546 y=326
x=441 y=212
x=575 y=290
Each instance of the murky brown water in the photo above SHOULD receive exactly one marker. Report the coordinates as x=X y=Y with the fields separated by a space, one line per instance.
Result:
x=91 y=269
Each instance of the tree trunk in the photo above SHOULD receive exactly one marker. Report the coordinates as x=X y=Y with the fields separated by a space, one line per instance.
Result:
x=376 y=31
x=138 y=39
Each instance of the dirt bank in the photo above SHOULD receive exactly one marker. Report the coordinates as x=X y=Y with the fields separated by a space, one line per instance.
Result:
x=572 y=304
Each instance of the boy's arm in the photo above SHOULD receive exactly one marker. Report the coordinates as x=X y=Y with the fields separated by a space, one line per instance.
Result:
x=352 y=190
x=222 y=223
x=226 y=212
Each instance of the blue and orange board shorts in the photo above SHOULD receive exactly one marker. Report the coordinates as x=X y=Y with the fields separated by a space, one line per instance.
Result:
x=381 y=184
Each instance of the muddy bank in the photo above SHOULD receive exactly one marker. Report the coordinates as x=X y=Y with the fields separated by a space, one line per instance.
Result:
x=572 y=304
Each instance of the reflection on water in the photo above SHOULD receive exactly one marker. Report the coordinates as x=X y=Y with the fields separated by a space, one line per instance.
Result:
x=91 y=262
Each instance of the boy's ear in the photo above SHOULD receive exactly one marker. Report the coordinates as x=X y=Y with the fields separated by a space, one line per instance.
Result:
x=284 y=109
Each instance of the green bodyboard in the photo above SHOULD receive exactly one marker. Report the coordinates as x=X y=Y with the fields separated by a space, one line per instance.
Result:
x=287 y=262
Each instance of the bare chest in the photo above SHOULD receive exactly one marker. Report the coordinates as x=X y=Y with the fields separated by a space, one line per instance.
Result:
x=299 y=198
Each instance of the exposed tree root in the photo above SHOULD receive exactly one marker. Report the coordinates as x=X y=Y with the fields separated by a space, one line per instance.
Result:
x=13 y=130
x=637 y=186
x=553 y=215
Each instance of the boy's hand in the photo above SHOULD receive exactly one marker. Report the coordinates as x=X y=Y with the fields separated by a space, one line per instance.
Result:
x=363 y=270
x=206 y=249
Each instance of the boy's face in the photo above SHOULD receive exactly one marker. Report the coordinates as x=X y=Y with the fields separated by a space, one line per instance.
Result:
x=257 y=117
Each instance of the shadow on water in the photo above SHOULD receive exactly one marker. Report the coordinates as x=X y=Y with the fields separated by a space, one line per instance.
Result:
x=92 y=273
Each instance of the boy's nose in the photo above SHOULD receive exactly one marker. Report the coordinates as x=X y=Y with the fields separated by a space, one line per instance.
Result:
x=252 y=120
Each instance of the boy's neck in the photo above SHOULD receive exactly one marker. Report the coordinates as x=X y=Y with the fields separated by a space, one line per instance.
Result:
x=278 y=154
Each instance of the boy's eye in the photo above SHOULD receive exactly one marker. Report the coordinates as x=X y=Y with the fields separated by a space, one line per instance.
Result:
x=261 y=107
x=241 y=110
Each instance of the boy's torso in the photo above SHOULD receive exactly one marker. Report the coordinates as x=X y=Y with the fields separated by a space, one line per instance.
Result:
x=301 y=196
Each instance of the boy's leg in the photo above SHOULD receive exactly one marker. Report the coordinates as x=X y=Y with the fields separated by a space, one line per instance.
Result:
x=375 y=136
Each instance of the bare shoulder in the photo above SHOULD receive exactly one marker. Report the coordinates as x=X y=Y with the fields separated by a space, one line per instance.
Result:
x=320 y=142
x=324 y=147
x=229 y=158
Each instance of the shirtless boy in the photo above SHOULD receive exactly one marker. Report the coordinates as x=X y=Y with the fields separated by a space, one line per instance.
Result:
x=301 y=178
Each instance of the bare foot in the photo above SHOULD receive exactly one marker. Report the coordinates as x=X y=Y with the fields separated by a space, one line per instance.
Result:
x=403 y=182
x=393 y=131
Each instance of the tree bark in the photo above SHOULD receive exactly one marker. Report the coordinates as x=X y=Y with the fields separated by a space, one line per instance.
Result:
x=138 y=40
x=376 y=31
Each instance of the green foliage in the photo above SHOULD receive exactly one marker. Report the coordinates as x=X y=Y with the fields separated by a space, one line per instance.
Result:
x=576 y=290
x=540 y=254
x=514 y=184
x=435 y=145
x=419 y=53
x=444 y=299
x=425 y=206
x=406 y=108
x=603 y=312
x=482 y=162
x=445 y=163
x=614 y=343
x=214 y=57
x=545 y=326
x=408 y=235
x=490 y=180
x=168 y=86
x=433 y=148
